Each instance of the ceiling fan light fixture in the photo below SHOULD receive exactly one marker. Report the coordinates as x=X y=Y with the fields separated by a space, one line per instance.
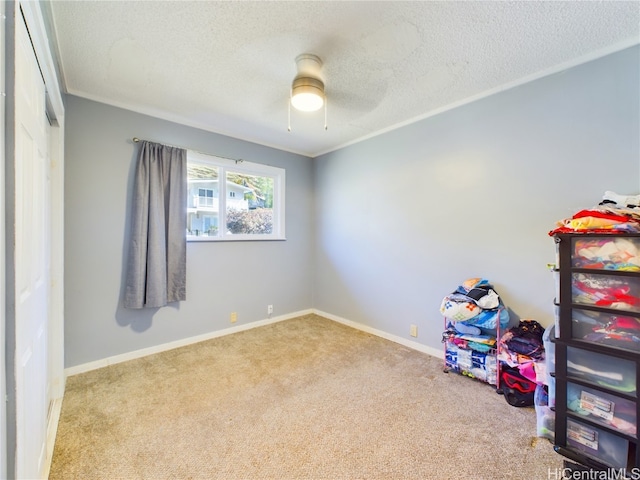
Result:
x=307 y=94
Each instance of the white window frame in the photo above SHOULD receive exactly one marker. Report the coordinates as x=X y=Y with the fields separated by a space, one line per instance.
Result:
x=248 y=168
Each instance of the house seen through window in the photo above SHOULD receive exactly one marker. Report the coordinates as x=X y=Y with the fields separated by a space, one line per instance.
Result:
x=229 y=200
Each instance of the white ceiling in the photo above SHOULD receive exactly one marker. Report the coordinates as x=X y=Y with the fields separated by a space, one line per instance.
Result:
x=227 y=66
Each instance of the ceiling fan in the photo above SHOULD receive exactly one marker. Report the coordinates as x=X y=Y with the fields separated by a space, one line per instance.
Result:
x=307 y=89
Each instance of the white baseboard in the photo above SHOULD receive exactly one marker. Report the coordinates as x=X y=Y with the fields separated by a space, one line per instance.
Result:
x=105 y=362
x=439 y=353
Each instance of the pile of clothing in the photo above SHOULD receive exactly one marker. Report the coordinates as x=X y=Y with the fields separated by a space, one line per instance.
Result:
x=472 y=314
x=606 y=254
x=609 y=292
x=521 y=350
x=615 y=330
x=473 y=306
x=615 y=213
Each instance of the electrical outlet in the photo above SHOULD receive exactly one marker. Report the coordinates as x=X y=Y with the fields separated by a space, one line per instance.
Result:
x=413 y=331
x=234 y=317
x=269 y=309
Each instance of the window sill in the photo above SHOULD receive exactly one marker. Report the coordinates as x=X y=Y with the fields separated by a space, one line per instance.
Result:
x=236 y=238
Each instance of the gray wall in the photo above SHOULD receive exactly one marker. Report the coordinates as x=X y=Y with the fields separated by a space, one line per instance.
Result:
x=98 y=184
x=487 y=181
x=400 y=220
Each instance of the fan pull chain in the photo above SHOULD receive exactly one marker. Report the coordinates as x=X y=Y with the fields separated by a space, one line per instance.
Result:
x=325 y=112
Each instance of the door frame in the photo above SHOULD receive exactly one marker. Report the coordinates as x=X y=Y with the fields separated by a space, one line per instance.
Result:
x=35 y=20
x=3 y=381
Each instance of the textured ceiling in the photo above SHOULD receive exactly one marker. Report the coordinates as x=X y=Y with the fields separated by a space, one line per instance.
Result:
x=227 y=67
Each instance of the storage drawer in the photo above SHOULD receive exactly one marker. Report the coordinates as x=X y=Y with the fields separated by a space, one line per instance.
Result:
x=603 y=408
x=608 y=291
x=606 y=253
x=598 y=444
x=545 y=415
x=556 y=281
x=603 y=328
x=606 y=371
x=549 y=350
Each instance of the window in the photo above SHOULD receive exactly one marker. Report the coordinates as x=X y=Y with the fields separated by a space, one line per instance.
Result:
x=205 y=197
x=229 y=200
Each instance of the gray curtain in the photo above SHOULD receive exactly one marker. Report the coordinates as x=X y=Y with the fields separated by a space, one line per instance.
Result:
x=156 y=267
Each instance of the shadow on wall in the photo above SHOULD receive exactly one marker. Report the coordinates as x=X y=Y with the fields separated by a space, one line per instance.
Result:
x=138 y=319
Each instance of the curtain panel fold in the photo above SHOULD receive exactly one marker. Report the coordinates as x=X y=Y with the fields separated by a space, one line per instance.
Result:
x=156 y=267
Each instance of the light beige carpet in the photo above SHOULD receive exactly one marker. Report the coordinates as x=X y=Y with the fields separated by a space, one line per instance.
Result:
x=305 y=398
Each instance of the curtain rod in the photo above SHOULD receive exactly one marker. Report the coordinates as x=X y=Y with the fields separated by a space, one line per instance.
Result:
x=237 y=160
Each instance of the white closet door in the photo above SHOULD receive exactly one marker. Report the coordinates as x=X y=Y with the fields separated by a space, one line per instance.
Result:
x=32 y=227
